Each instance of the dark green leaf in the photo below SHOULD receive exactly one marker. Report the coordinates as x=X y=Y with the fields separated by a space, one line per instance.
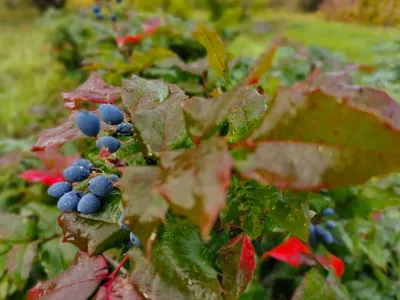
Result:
x=144 y=207
x=195 y=181
x=177 y=268
x=97 y=232
x=56 y=256
x=47 y=216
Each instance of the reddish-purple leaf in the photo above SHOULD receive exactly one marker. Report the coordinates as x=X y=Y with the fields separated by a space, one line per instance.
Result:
x=237 y=265
x=119 y=288
x=195 y=181
x=63 y=133
x=79 y=281
x=94 y=89
x=144 y=207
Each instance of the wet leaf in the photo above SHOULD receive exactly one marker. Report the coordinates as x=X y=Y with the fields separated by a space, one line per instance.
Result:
x=79 y=281
x=195 y=181
x=94 y=89
x=215 y=49
x=144 y=207
x=245 y=115
x=177 y=268
x=97 y=232
x=237 y=265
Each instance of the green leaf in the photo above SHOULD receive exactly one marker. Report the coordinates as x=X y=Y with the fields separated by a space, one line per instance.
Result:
x=264 y=62
x=97 y=232
x=237 y=265
x=162 y=126
x=195 y=181
x=20 y=261
x=203 y=116
x=255 y=291
x=13 y=228
x=246 y=114
x=47 y=217
x=56 y=256
x=144 y=207
x=139 y=93
x=377 y=255
x=177 y=268
x=156 y=110
x=215 y=49
x=142 y=60
x=314 y=287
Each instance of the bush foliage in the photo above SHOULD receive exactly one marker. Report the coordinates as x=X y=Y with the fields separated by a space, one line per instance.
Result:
x=229 y=163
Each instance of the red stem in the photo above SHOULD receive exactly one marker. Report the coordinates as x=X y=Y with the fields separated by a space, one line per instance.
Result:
x=112 y=276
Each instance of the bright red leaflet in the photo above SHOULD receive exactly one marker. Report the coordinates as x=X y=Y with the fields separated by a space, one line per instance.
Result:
x=333 y=262
x=289 y=251
x=45 y=177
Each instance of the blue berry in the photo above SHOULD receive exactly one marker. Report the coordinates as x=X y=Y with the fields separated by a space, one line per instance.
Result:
x=111 y=114
x=83 y=163
x=76 y=174
x=89 y=204
x=330 y=224
x=327 y=237
x=113 y=17
x=124 y=129
x=109 y=142
x=328 y=212
x=312 y=235
x=58 y=189
x=114 y=177
x=88 y=123
x=70 y=200
x=134 y=240
x=96 y=9
x=319 y=230
x=101 y=186
x=99 y=16
x=122 y=225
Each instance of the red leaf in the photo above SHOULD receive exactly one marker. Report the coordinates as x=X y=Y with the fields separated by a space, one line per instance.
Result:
x=292 y=252
x=253 y=81
x=79 y=281
x=237 y=265
x=332 y=261
x=45 y=177
x=129 y=39
x=94 y=89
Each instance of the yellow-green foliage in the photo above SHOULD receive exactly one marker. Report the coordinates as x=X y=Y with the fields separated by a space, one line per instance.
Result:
x=378 y=12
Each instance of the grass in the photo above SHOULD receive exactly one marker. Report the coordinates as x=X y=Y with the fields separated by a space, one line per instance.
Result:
x=355 y=41
x=30 y=78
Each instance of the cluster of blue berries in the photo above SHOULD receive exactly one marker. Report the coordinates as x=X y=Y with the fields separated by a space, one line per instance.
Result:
x=319 y=233
x=74 y=200
x=134 y=240
x=96 y=9
x=89 y=124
